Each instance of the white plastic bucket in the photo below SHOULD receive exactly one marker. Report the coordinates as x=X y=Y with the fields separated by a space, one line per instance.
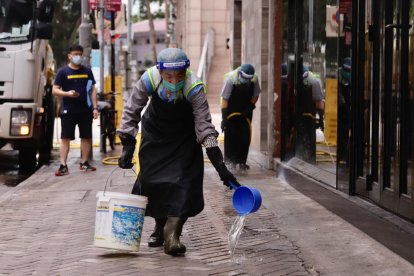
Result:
x=119 y=220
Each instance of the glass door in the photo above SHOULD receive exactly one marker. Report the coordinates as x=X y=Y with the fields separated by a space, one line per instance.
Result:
x=366 y=99
x=383 y=110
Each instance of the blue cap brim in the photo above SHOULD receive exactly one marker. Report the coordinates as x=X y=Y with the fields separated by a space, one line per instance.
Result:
x=176 y=65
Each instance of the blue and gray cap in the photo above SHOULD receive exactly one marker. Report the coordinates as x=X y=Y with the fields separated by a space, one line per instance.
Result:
x=247 y=71
x=172 y=59
x=347 y=63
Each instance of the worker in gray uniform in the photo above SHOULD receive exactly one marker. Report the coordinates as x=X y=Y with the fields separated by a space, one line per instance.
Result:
x=239 y=95
x=175 y=124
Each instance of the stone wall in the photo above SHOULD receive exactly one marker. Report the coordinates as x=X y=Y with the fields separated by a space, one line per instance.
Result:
x=255 y=50
x=243 y=26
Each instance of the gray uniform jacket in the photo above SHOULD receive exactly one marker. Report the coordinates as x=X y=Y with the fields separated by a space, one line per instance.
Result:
x=138 y=99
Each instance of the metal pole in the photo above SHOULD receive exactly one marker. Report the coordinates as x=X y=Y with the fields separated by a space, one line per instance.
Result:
x=129 y=47
x=129 y=30
x=102 y=48
x=85 y=30
x=101 y=75
x=167 y=22
x=172 y=22
x=310 y=29
x=112 y=52
x=111 y=128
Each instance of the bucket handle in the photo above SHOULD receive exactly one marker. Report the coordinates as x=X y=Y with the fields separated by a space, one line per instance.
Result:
x=234 y=186
x=109 y=177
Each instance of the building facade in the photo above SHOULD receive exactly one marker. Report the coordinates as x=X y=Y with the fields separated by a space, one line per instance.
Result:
x=357 y=53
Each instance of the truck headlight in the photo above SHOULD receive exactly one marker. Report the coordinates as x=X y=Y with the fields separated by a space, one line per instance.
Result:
x=20 y=122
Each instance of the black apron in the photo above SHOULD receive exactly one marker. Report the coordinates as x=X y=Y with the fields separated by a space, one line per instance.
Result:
x=305 y=126
x=171 y=161
x=237 y=132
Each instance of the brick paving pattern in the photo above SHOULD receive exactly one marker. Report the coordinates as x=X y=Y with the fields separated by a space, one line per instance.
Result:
x=47 y=228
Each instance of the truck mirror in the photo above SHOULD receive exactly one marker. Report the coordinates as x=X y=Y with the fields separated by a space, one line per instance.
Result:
x=45 y=11
x=43 y=30
x=16 y=13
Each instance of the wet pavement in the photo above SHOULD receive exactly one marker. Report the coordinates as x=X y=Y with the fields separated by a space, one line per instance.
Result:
x=10 y=175
x=9 y=171
x=48 y=229
x=48 y=226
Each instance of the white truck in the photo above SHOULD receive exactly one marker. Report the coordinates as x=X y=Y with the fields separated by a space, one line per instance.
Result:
x=26 y=74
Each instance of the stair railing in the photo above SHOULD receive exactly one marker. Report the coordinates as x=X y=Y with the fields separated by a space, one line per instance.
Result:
x=206 y=55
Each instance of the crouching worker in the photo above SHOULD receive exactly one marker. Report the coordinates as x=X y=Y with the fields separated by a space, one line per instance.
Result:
x=175 y=124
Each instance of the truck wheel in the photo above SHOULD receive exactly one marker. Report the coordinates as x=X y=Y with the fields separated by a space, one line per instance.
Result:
x=48 y=123
x=27 y=159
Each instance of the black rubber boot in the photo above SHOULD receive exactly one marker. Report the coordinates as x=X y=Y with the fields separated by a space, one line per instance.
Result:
x=172 y=233
x=157 y=237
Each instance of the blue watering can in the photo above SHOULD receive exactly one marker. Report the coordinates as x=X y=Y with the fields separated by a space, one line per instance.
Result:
x=246 y=199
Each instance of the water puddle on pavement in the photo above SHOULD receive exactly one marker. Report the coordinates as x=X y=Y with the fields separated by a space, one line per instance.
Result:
x=234 y=234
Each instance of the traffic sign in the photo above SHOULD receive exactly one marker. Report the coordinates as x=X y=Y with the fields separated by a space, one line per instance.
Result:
x=109 y=5
x=108 y=15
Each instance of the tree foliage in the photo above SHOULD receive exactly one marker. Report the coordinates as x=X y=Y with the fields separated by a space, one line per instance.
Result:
x=66 y=21
x=142 y=13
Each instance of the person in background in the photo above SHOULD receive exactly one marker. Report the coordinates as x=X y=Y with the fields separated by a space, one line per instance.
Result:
x=313 y=81
x=176 y=123
x=239 y=95
x=344 y=110
x=75 y=84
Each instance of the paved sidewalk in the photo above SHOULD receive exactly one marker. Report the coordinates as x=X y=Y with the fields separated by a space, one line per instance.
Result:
x=47 y=228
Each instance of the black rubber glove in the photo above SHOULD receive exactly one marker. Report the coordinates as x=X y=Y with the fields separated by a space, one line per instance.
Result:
x=128 y=142
x=216 y=158
x=248 y=111
x=224 y=114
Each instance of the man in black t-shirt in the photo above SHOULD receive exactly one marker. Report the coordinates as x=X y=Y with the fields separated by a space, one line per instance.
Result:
x=75 y=85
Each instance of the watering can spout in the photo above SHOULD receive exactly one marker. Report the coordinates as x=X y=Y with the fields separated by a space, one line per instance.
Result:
x=246 y=199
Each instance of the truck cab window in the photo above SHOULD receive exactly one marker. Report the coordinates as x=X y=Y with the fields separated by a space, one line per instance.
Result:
x=15 y=20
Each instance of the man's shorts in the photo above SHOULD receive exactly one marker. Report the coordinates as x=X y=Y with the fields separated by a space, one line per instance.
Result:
x=69 y=122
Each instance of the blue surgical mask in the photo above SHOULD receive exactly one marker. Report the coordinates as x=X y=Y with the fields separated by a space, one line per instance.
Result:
x=173 y=87
x=77 y=60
